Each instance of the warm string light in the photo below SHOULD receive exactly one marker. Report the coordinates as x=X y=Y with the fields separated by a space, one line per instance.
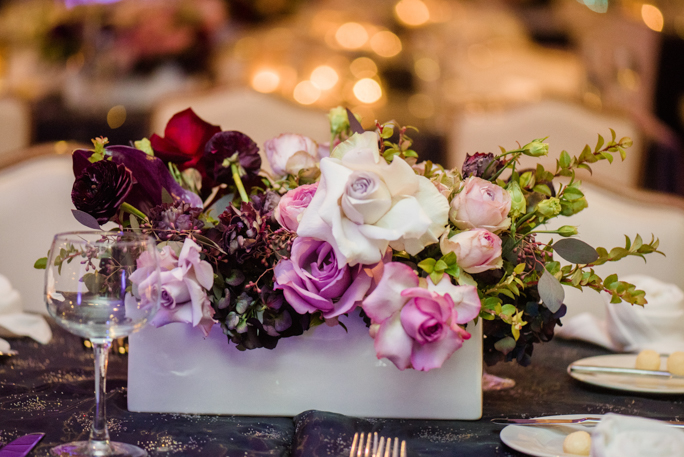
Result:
x=266 y=81
x=412 y=12
x=653 y=17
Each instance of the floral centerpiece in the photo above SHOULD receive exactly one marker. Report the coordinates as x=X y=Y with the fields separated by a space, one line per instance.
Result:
x=357 y=222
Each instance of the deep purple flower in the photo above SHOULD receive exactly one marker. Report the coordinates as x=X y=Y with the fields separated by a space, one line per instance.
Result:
x=482 y=165
x=101 y=189
x=150 y=176
x=312 y=281
x=226 y=148
x=175 y=218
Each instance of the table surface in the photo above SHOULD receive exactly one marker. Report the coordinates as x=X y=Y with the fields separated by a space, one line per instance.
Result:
x=50 y=389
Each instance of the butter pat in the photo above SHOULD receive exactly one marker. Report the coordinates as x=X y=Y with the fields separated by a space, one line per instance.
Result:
x=578 y=443
x=675 y=363
x=648 y=359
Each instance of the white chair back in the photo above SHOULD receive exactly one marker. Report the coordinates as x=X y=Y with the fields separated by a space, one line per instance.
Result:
x=569 y=127
x=615 y=212
x=259 y=116
x=35 y=201
x=15 y=125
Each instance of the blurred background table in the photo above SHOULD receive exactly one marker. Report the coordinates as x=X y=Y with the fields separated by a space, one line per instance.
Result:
x=50 y=388
x=86 y=68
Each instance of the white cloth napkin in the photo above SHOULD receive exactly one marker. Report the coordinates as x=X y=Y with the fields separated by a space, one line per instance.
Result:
x=629 y=436
x=659 y=325
x=14 y=322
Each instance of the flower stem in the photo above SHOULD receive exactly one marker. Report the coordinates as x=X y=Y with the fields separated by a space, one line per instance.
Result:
x=133 y=210
x=238 y=183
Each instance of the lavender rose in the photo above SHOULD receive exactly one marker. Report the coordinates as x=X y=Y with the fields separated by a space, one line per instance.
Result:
x=481 y=204
x=185 y=279
x=476 y=250
x=312 y=281
x=292 y=204
x=415 y=327
x=101 y=189
x=288 y=153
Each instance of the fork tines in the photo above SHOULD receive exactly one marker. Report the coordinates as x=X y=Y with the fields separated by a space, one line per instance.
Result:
x=376 y=447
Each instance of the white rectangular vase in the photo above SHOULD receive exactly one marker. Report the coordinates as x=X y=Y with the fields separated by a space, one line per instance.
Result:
x=174 y=369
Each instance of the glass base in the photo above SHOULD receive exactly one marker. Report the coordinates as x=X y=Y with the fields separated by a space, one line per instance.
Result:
x=97 y=449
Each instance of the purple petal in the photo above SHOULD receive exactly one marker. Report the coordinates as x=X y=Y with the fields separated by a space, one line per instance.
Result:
x=432 y=355
x=393 y=343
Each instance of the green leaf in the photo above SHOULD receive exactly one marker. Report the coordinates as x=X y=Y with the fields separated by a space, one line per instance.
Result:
x=575 y=251
x=551 y=291
x=612 y=135
x=542 y=189
x=450 y=258
x=508 y=310
x=599 y=143
x=608 y=156
x=572 y=194
x=94 y=282
x=440 y=265
x=427 y=265
x=40 y=264
x=565 y=159
x=387 y=131
x=436 y=276
x=145 y=146
x=505 y=345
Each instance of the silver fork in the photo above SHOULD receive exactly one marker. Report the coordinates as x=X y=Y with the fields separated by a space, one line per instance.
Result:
x=376 y=447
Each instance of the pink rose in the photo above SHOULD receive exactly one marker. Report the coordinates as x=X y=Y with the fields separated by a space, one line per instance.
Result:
x=476 y=250
x=481 y=204
x=288 y=153
x=416 y=327
x=292 y=204
x=185 y=280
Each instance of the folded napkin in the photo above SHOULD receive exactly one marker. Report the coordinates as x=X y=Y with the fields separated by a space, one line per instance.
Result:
x=14 y=322
x=631 y=328
x=629 y=436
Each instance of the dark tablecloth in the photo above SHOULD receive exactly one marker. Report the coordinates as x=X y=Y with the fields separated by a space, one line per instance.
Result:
x=50 y=389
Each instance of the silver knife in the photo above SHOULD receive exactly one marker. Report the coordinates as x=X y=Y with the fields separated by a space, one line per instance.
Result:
x=589 y=369
x=21 y=446
x=588 y=421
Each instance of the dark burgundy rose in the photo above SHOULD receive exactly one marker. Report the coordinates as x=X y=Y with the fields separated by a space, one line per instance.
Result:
x=150 y=176
x=184 y=139
x=101 y=189
x=226 y=147
x=482 y=165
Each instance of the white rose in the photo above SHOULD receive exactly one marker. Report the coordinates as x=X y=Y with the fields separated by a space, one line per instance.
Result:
x=363 y=204
x=288 y=153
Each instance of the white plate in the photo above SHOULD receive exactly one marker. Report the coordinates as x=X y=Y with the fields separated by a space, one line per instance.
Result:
x=630 y=383
x=543 y=440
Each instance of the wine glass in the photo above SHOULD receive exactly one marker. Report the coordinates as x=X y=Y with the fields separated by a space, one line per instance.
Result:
x=102 y=286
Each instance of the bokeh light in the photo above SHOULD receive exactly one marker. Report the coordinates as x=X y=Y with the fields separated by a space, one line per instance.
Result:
x=363 y=67
x=116 y=116
x=427 y=69
x=351 y=35
x=367 y=90
x=652 y=17
x=412 y=12
x=324 y=77
x=306 y=93
x=385 y=44
x=266 y=81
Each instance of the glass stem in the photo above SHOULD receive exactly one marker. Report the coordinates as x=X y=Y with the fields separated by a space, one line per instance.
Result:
x=99 y=431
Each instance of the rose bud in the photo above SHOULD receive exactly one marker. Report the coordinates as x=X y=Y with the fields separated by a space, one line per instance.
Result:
x=481 y=204
x=536 y=148
x=289 y=210
x=289 y=153
x=567 y=230
x=476 y=250
x=101 y=189
x=483 y=165
x=518 y=202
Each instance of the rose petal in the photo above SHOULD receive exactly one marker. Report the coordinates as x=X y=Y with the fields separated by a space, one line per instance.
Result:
x=432 y=355
x=393 y=343
x=386 y=298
